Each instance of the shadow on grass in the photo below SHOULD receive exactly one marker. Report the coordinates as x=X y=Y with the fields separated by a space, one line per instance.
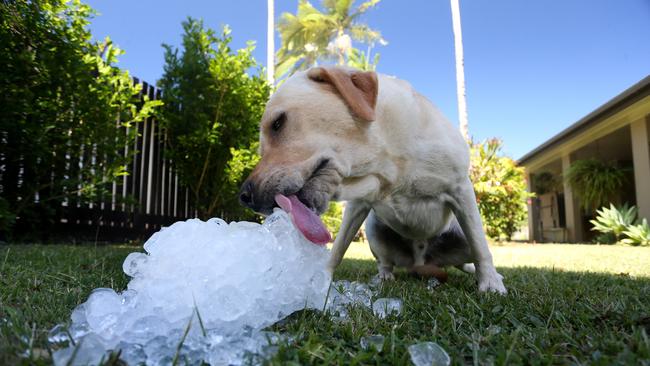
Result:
x=548 y=316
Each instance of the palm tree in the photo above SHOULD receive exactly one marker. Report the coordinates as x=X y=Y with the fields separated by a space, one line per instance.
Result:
x=311 y=34
x=270 y=43
x=460 y=70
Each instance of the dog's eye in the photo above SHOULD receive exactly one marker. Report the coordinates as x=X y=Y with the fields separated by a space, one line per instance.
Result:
x=277 y=124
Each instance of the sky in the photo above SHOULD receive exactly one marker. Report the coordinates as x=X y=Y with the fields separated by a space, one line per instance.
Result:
x=532 y=67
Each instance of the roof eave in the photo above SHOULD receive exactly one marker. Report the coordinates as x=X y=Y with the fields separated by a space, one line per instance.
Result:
x=628 y=96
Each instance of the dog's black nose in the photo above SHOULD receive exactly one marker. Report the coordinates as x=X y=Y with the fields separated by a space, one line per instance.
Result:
x=246 y=194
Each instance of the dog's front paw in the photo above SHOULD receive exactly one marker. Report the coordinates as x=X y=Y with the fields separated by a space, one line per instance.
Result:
x=491 y=281
x=386 y=275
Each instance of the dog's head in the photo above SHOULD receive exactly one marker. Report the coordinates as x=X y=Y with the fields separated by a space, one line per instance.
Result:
x=310 y=133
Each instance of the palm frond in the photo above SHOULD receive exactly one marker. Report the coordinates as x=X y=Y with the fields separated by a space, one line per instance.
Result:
x=365 y=34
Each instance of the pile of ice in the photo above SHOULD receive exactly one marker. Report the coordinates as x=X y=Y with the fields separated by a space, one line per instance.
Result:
x=204 y=291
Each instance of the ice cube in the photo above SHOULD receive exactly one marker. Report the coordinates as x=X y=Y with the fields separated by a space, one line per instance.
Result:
x=79 y=314
x=375 y=341
x=131 y=353
x=158 y=348
x=375 y=281
x=387 y=306
x=433 y=283
x=88 y=351
x=493 y=329
x=428 y=354
x=58 y=335
x=133 y=264
x=102 y=309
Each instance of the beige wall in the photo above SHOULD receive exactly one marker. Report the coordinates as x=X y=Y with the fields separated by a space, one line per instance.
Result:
x=641 y=157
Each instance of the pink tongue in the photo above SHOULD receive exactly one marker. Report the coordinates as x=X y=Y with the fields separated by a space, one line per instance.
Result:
x=309 y=224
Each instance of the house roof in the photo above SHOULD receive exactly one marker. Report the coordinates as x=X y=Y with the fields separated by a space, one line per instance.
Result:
x=626 y=98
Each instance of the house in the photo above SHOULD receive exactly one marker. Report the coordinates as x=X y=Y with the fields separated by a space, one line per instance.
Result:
x=617 y=131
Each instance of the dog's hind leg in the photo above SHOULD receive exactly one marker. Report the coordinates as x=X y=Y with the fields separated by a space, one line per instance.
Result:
x=463 y=203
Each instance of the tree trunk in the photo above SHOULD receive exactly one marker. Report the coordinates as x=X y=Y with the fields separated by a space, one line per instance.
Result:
x=460 y=70
x=270 y=44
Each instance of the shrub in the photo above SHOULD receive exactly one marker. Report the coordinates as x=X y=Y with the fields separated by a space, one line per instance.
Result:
x=638 y=234
x=212 y=110
x=63 y=102
x=613 y=221
x=333 y=217
x=500 y=188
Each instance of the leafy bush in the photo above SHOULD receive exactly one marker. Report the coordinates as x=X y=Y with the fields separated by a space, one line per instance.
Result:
x=63 y=102
x=333 y=217
x=7 y=218
x=613 y=221
x=605 y=238
x=500 y=188
x=638 y=234
x=211 y=112
x=596 y=183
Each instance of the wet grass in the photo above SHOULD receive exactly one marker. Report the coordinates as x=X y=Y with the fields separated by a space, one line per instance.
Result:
x=555 y=312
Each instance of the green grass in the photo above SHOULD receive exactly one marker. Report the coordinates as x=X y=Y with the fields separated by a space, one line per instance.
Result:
x=567 y=304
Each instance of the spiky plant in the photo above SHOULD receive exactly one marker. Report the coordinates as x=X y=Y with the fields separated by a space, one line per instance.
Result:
x=613 y=220
x=638 y=234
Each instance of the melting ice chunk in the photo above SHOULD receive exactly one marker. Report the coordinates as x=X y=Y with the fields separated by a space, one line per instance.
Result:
x=375 y=341
x=433 y=283
x=345 y=294
x=386 y=306
x=428 y=354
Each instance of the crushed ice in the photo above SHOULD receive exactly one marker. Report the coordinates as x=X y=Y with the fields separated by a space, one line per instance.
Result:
x=223 y=283
x=204 y=292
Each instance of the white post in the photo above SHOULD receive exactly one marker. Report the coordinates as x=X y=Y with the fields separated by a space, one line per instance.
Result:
x=460 y=70
x=270 y=43
x=641 y=158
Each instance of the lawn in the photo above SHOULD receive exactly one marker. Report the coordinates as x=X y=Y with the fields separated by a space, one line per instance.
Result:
x=577 y=304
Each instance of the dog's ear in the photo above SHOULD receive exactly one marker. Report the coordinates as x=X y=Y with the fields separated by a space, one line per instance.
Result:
x=357 y=88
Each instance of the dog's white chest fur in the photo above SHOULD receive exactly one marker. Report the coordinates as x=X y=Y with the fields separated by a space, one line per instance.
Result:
x=414 y=217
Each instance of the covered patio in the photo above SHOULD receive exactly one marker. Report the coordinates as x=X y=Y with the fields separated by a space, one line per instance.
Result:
x=617 y=132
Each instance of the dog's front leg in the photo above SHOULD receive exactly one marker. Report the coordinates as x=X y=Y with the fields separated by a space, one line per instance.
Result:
x=354 y=215
x=464 y=206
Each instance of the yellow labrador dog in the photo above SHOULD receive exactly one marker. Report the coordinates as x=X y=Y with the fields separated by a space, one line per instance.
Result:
x=333 y=133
